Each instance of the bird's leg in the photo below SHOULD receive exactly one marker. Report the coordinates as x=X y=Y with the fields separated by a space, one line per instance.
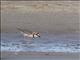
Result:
x=33 y=38
x=33 y=35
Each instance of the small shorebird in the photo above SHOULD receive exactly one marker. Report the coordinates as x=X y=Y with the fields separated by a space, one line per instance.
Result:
x=27 y=33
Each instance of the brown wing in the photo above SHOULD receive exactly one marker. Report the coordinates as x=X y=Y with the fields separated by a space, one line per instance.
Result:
x=24 y=30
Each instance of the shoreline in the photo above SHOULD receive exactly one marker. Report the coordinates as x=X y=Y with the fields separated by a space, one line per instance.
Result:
x=39 y=55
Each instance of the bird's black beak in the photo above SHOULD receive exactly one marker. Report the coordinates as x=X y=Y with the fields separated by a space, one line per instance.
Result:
x=39 y=36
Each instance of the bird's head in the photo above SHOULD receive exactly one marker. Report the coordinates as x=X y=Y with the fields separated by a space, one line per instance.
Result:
x=38 y=34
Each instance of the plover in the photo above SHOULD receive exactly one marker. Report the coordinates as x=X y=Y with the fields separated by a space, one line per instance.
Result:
x=27 y=33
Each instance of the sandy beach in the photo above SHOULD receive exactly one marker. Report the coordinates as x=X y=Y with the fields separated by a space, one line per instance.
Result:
x=39 y=56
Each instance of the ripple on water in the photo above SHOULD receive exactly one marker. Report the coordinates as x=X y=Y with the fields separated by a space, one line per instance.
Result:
x=46 y=43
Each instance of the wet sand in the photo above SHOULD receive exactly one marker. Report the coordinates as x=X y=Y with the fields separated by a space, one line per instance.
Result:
x=39 y=56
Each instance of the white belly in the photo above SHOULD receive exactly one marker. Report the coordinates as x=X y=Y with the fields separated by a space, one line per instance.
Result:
x=30 y=35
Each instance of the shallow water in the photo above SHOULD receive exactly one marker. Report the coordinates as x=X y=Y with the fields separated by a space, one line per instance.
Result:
x=46 y=43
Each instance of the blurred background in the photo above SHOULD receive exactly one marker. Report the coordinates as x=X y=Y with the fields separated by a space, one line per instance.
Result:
x=43 y=16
